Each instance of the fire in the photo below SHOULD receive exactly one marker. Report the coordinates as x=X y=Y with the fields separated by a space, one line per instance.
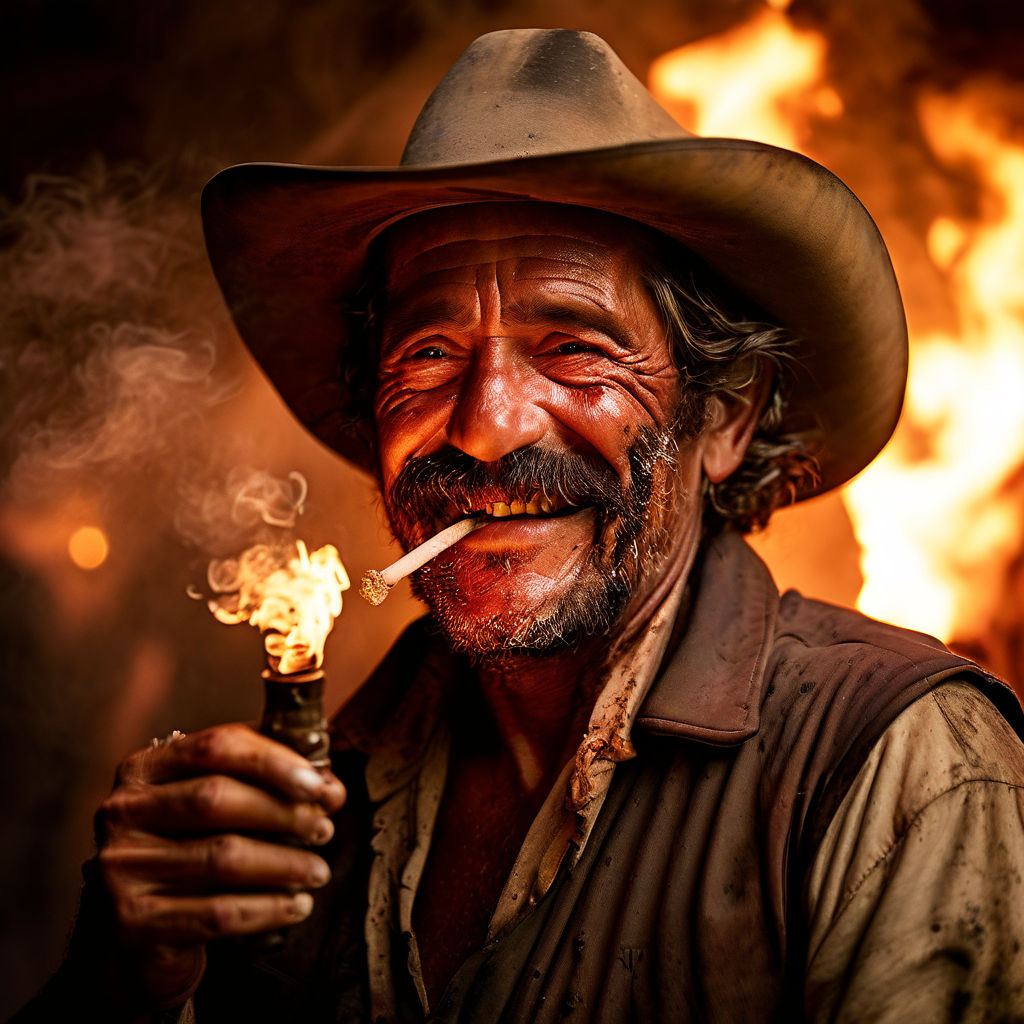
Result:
x=756 y=81
x=937 y=525
x=292 y=598
x=936 y=515
x=88 y=547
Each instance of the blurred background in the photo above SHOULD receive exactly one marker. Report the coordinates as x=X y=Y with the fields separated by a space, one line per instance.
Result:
x=131 y=419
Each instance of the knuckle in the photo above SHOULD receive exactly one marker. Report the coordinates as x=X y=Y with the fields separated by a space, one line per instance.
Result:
x=131 y=909
x=111 y=862
x=224 y=916
x=218 y=744
x=207 y=797
x=208 y=745
x=116 y=810
x=225 y=856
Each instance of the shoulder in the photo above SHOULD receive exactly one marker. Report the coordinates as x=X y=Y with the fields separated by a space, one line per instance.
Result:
x=948 y=739
x=809 y=631
x=919 y=880
x=835 y=671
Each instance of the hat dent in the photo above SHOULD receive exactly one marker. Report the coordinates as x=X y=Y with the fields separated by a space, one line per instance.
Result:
x=533 y=92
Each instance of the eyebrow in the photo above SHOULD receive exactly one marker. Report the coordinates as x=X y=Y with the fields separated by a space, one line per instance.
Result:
x=403 y=318
x=571 y=313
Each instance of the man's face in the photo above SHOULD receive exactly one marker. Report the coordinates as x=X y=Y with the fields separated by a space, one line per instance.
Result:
x=525 y=375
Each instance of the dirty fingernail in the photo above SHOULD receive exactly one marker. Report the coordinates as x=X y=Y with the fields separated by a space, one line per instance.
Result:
x=319 y=874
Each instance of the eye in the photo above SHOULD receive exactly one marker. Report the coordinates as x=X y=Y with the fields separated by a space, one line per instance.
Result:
x=429 y=352
x=573 y=348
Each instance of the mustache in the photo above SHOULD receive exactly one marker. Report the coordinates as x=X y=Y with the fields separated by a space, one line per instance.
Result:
x=451 y=481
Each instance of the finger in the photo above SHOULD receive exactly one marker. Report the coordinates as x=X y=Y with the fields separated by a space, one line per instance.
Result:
x=231 y=862
x=212 y=803
x=238 y=750
x=153 y=918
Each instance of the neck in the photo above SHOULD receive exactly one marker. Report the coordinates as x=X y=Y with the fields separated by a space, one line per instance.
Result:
x=541 y=704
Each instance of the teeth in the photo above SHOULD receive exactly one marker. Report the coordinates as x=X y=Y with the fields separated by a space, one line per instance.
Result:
x=538 y=503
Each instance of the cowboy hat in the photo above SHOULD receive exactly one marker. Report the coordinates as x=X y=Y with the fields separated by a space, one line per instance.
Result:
x=555 y=116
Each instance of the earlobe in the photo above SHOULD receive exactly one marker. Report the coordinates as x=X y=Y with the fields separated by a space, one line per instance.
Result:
x=733 y=419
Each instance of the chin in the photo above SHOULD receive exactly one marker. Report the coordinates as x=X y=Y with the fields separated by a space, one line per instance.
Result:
x=588 y=607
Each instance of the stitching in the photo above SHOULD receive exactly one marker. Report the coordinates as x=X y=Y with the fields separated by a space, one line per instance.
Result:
x=898 y=839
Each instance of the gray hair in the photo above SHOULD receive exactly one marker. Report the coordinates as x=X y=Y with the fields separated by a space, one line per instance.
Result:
x=719 y=349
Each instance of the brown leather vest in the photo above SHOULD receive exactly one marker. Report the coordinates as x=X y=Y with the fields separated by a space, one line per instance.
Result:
x=687 y=901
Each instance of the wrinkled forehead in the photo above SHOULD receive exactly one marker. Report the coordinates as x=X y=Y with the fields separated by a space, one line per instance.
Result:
x=449 y=238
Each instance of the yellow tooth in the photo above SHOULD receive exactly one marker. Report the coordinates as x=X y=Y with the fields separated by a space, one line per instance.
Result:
x=517 y=508
x=500 y=509
x=546 y=505
x=489 y=509
x=534 y=507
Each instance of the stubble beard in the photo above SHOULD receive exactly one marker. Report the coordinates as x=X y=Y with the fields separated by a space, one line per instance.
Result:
x=632 y=540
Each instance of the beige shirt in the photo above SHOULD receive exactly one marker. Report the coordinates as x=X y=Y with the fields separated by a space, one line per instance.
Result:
x=916 y=897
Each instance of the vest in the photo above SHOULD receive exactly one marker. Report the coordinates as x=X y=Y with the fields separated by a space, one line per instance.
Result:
x=687 y=903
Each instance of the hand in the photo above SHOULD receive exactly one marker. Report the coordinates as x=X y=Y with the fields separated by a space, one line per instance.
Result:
x=177 y=863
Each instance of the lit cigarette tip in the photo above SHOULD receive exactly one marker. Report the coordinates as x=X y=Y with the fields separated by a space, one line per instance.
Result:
x=372 y=587
x=376 y=585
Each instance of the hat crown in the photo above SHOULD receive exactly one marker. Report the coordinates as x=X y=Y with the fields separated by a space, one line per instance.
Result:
x=532 y=92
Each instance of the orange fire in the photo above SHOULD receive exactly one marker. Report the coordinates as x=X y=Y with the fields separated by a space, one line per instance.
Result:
x=293 y=599
x=759 y=81
x=933 y=516
x=938 y=526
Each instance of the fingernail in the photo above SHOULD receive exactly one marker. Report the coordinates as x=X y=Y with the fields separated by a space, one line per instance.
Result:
x=302 y=904
x=319 y=874
x=322 y=832
x=309 y=780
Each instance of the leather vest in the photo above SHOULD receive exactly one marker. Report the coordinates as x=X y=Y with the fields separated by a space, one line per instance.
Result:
x=687 y=901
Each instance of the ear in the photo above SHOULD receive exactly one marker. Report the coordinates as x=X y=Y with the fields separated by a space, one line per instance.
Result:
x=732 y=421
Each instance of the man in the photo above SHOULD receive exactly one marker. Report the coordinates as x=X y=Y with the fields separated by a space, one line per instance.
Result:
x=622 y=345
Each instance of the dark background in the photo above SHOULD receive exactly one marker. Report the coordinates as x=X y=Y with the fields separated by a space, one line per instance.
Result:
x=127 y=400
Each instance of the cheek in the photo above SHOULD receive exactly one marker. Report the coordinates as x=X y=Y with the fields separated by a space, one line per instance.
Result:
x=611 y=416
x=407 y=429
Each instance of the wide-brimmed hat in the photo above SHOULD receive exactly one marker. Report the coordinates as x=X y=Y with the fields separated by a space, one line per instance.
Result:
x=555 y=116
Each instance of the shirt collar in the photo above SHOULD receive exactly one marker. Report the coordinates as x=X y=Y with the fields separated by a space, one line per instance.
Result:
x=708 y=688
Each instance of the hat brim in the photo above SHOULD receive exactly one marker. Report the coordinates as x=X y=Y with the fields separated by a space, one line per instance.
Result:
x=288 y=245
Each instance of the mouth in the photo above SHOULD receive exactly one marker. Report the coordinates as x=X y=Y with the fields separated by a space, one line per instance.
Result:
x=539 y=504
x=493 y=505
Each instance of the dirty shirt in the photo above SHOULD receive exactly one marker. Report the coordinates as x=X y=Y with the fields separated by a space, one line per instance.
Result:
x=893 y=888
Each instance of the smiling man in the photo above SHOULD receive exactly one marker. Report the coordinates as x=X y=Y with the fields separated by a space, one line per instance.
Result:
x=612 y=775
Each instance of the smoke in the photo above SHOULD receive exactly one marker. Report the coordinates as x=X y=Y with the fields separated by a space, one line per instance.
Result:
x=112 y=345
x=219 y=513
x=116 y=356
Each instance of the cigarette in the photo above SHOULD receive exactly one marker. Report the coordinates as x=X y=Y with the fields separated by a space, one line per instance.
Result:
x=376 y=584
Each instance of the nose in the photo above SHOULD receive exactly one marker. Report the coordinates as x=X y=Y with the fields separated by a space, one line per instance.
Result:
x=496 y=408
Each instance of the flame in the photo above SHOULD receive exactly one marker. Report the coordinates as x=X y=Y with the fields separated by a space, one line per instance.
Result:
x=936 y=525
x=760 y=80
x=88 y=547
x=293 y=599
x=936 y=515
